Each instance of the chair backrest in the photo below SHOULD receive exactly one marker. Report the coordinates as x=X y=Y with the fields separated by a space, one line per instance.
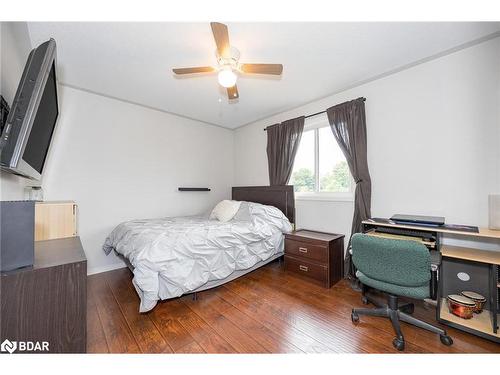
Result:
x=399 y=262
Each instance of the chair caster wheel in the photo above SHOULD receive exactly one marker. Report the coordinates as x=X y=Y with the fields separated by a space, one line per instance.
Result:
x=364 y=300
x=446 y=340
x=398 y=344
x=354 y=317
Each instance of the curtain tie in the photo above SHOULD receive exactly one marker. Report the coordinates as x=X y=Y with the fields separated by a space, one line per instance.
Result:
x=358 y=181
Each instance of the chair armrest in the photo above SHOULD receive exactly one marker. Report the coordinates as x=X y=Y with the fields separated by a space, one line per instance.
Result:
x=434 y=281
x=435 y=262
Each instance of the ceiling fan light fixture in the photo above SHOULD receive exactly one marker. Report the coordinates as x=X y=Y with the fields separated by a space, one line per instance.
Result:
x=227 y=78
x=228 y=66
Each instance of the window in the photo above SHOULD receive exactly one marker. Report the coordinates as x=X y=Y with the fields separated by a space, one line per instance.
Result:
x=320 y=170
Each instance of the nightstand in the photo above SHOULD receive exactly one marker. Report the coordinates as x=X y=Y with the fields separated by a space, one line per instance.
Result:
x=317 y=256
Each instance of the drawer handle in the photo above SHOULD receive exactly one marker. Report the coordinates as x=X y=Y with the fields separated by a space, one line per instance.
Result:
x=303 y=268
x=303 y=249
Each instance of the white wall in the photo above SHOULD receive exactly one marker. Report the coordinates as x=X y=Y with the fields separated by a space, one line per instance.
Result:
x=15 y=46
x=498 y=134
x=433 y=140
x=120 y=161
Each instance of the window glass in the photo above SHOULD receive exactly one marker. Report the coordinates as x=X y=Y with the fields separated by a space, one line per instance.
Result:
x=303 y=176
x=320 y=167
x=334 y=175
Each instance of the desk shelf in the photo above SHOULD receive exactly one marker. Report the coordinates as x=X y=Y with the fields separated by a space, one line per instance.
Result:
x=475 y=255
x=478 y=323
x=482 y=267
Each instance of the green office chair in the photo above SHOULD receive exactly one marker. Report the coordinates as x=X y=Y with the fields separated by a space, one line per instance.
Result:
x=398 y=268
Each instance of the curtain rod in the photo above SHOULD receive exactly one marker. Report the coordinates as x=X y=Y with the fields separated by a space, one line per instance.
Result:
x=318 y=113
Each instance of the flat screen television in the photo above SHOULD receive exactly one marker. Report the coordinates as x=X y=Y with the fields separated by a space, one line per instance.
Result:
x=26 y=137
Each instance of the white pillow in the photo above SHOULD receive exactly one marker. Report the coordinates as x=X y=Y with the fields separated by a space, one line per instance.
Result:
x=225 y=210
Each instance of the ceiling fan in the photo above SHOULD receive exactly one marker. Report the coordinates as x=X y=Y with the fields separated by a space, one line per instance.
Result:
x=228 y=63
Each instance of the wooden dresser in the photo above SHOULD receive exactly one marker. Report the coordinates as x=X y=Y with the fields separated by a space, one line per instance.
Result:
x=48 y=301
x=317 y=256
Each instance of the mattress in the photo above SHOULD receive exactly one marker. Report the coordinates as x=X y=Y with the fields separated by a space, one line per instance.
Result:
x=174 y=256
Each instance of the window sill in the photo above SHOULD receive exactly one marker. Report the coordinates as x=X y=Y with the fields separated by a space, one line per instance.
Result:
x=324 y=197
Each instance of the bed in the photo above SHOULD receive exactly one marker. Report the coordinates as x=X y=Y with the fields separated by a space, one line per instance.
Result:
x=174 y=256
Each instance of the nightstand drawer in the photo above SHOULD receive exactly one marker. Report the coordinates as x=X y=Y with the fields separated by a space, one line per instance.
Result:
x=308 y=269
x=306 y=250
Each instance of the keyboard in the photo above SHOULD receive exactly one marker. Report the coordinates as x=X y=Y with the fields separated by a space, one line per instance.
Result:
x=406 y=232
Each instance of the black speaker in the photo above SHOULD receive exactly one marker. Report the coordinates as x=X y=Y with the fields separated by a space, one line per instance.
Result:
x=17 y=234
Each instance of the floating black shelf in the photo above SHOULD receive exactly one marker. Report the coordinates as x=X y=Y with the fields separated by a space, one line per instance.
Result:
x=193 y=189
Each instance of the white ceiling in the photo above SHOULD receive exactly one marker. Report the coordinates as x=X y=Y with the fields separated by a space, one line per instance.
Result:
x=133 y=61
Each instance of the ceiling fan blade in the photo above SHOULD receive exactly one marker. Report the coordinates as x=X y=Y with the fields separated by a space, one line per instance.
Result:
x=232 y=92
x=221 y=37
x=199 y=69
x=275 y=69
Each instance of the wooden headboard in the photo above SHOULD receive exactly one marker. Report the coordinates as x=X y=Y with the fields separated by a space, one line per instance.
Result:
x=281 y=197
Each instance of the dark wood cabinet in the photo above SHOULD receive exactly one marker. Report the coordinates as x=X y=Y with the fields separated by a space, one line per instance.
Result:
x=317 y=256
x=48 y=302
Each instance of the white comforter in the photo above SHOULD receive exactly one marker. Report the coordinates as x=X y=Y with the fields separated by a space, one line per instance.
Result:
x=172 y=256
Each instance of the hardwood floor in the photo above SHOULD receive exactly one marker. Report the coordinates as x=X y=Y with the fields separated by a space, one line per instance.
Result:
x=267 y=311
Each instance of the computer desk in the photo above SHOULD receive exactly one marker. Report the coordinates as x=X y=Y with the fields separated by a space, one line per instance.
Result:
x=483 y=265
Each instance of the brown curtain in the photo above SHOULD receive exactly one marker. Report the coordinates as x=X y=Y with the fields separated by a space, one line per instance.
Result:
x=282 y=145
x=348 y=124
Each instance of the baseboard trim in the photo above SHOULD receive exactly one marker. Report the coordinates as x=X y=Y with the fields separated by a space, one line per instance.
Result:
x=106 y=268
